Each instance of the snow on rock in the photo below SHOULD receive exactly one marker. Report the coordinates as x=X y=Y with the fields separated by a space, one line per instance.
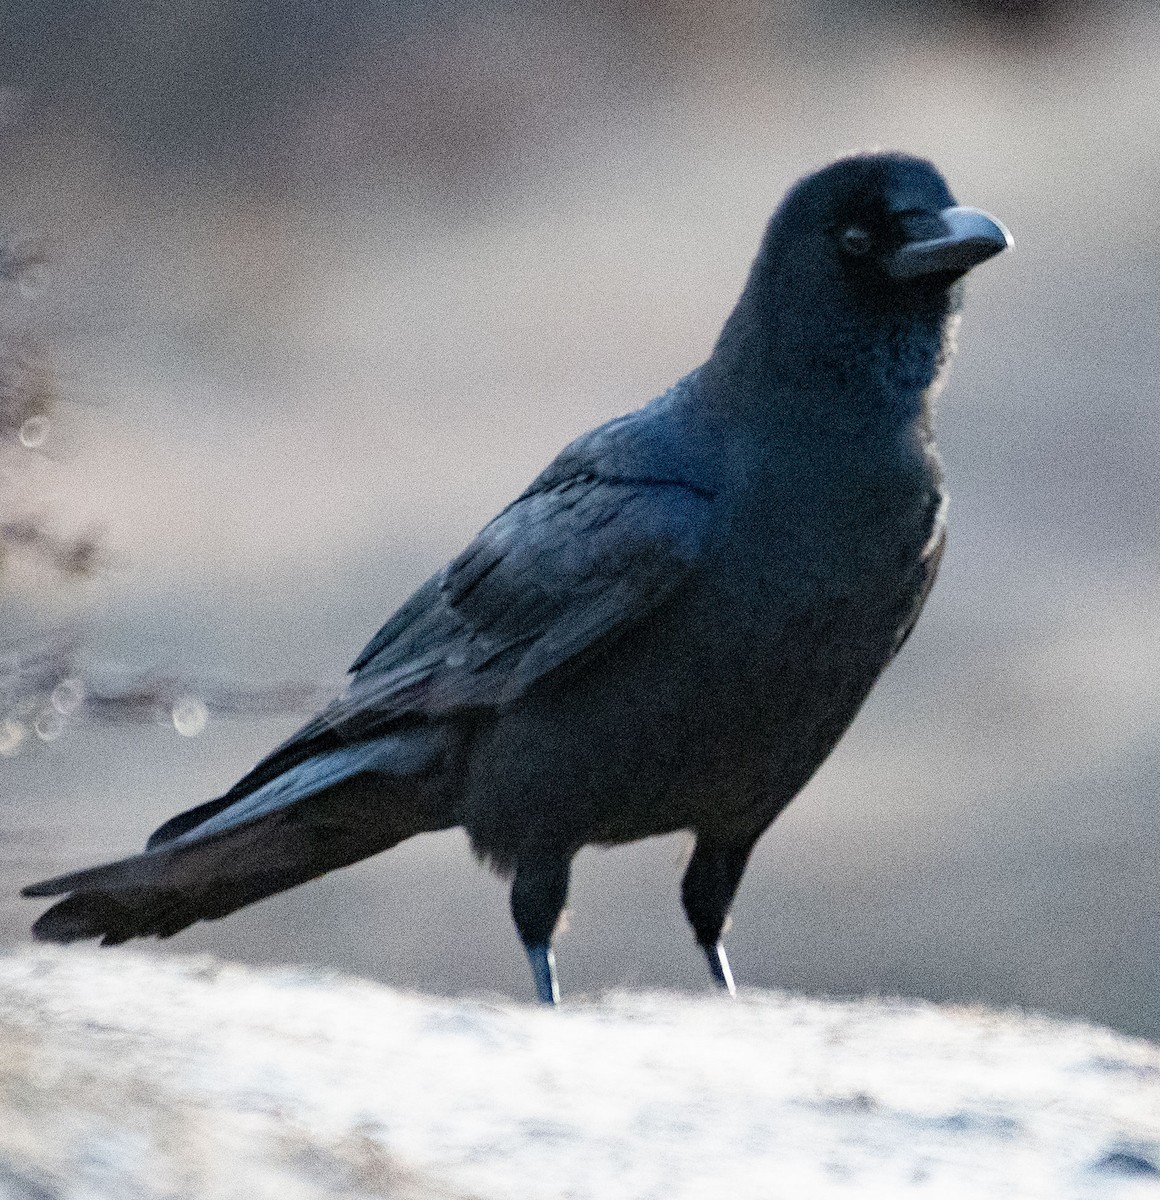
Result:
x=125 y=1076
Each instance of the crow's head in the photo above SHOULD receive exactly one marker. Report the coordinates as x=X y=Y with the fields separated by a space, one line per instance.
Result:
x=885 y=224
x=855 y=284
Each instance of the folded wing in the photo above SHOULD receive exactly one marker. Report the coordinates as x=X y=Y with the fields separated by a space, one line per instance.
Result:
x=570 y=565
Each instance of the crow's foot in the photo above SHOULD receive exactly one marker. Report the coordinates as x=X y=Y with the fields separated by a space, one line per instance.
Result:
x=719 y=967
x=543 y=963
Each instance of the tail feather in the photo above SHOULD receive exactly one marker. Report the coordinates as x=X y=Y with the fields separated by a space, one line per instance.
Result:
x=321 y=815
x=398 y=756
x=190 y=819
x=81 y=917
x=59 y=884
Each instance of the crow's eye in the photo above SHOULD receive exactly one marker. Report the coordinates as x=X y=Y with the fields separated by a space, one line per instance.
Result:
x=855 y=240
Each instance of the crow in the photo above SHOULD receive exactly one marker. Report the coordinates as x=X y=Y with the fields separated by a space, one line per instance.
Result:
x=670 y=629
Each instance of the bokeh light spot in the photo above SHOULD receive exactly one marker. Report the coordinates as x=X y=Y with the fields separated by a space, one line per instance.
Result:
x=34 y=432
x=12 y=734
x=67 y=696
x=49 y=725
x=189 y=716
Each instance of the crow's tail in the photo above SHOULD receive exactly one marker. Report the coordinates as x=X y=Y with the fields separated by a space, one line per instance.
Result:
x=325 y=813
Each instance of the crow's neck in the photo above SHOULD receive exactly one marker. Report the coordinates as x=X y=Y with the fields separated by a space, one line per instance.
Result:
x=784 y=363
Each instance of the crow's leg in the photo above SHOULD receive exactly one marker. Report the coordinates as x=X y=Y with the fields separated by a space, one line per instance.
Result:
x=707 y=891
x=539 y=891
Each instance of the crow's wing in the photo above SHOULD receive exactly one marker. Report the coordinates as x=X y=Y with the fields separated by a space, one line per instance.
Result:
x=571 y=564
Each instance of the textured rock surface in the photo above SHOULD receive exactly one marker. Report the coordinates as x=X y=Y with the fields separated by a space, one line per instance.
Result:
x=123 y=1075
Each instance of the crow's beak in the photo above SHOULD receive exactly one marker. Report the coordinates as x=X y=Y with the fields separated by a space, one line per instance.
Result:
x=971 y=236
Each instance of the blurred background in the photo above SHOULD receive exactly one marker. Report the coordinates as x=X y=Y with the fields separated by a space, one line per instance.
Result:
x=296 y=296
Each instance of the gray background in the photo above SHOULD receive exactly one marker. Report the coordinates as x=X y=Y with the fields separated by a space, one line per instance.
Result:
x=324 y=296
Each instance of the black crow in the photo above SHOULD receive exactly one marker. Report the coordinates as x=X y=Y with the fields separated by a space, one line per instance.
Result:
x=671 y=627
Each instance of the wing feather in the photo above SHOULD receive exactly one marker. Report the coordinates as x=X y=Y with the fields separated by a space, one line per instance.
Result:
x=570 y=565
x=562 y=569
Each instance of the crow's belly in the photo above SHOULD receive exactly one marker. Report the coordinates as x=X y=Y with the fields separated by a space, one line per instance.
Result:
x=670 y=730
